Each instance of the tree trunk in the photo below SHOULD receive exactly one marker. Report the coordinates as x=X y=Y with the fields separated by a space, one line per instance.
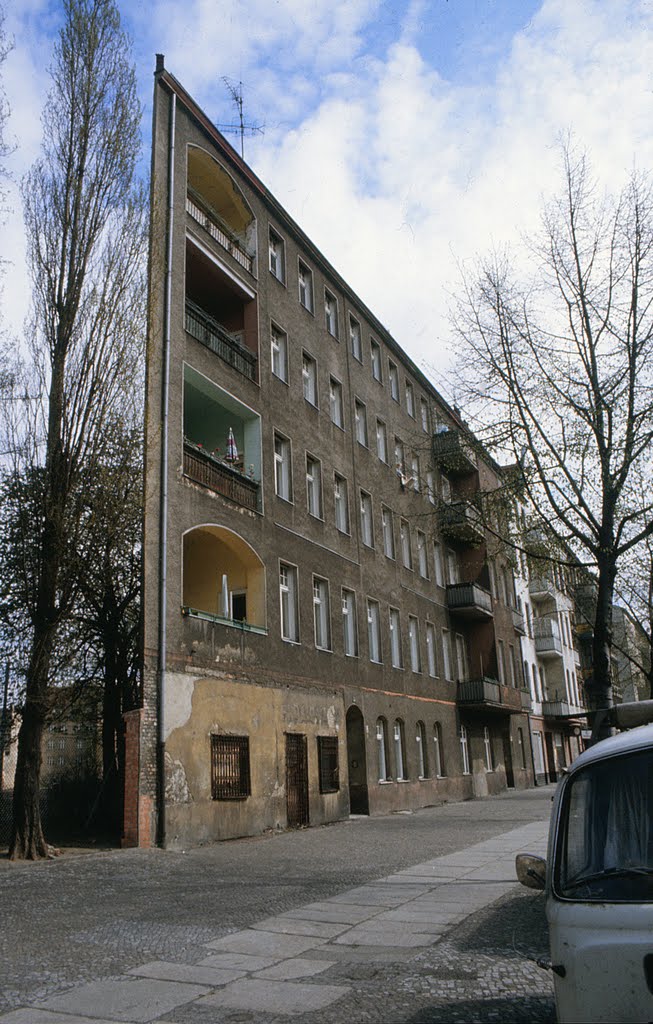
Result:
x=599 y=691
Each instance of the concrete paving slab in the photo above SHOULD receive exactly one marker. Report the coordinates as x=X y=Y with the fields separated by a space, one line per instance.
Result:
x=30 y=1015
x=298 y=967
x=499 y=871
x=193 y=973
x=136 y=1000
x=395 y=939
x=425 y=873
x=439 y=917
x=365 y=954
x=265 y=943
x=295 y=926
x=345 y=913
x=286 y=997
x=372 y=896
x=239 y=961
x=469 y=893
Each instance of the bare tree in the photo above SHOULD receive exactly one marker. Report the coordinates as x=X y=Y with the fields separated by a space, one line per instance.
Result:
x=85 y=223
x=560 y=369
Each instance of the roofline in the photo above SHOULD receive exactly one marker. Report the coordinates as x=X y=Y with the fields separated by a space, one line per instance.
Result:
x=168 y=80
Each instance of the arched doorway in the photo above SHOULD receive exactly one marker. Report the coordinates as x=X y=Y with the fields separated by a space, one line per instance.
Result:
x=358 y=799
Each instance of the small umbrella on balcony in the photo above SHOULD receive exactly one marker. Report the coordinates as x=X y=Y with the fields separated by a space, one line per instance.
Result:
x=232 y=448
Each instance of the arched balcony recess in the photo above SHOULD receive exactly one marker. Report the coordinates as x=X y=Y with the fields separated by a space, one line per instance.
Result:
x=216 y=203
x=223 y=579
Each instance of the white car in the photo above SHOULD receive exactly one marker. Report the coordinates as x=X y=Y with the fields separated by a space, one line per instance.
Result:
x=598 y=877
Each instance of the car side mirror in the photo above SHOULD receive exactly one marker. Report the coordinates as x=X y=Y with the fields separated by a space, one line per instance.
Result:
x=531 y=870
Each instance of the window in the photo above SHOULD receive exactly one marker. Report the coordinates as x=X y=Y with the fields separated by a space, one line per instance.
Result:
x=413 y=637
x=388 y=532
x=452 y=566
x=440 y=770
x=512 y=665
x=349 y=624
x=341 y=501
x=464 y=749
x=282 y=468
x=367 y=530
x=414 y=472
x=431 y=652
x=305 y=287
x=461 y=656
x=314 y=486
x=321 y=616
x=422 y=754
x=422 y=555
x=375 y=355
x=360 y=418
x=230 y=778
x=335 y=403
x=439 y=564
x=382 y=747
x=445 y=487
x=404 y=540
x=327 y=760
x=309 y=376
x=430 y=486
x=400 y=750
x=489 y=756
x=355 y=339
x=501 y=662
x=279 y=345
x=446 y=654
x=381 y=441
x=277 y=257
x=395 y=639
x=374 y=631
x=424 y=415
x=393 y=375
x=331 y=313
x=289 y=605
x=410 y=399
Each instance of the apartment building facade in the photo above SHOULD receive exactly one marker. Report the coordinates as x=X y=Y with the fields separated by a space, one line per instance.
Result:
x=320 y=636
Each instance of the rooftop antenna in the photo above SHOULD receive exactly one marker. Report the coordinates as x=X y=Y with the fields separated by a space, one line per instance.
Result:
x=240 y=128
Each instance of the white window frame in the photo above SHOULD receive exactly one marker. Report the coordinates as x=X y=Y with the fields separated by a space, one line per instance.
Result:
x=440 y=770
x=382 y=441
x=276 y=255
x=422 y=555
x=438 y=563
x=376 y=360
x=414 y=471
x=279 y=352
x=289 y=602
x=405 y=544
x=462 y=671
x=366 y=519
x=400 y=750
x=314 y=486
x=489 y=754
x=331 y=313
x=393 y=377
x=374 y=631
x=413 y=640
x=430 y=486
x=282 y=466
x=336 y=402
x=447 y=659
x=321 y=613
x=382 y=749
x=341 y=503
x=309 y=379
x=410 y=400
x=387 y=526
x=349 y=623
x=360 y=421
x=431 y=651
x=396 y=651
x=305 y=283
x=355 y=339
x=424 y=414
x=464 y=750
x=422 y=752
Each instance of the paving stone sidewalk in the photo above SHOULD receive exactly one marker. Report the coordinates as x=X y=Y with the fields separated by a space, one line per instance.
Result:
x=392 y=949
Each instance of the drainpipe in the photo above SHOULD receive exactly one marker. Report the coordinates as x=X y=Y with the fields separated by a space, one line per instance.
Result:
x=163 y=506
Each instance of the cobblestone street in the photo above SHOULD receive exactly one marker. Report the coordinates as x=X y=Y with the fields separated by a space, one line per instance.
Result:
x=407 y=918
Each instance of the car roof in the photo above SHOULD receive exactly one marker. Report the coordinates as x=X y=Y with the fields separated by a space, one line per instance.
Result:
x=632 y=739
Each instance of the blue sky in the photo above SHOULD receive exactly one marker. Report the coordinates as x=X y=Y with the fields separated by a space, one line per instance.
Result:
x=404 y=137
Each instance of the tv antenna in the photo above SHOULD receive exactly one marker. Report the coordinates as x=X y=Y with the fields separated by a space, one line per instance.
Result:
x=239 y=128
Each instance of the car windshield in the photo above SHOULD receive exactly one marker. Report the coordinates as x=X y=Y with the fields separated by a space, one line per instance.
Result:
x=605 y=849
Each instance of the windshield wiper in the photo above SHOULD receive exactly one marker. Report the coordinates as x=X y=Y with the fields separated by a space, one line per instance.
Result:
x=610 y=873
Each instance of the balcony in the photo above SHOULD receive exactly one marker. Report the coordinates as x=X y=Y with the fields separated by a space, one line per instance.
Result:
x=546 y=634
x=219 y=232
x=204 y=469
x=219 y=206
x=560 y=709
x=469 y=601
x=541 y=589
x=518 y=622
x=461 y=521
x=223 y=580
x=205 y=329
x=489 y=695
x=453 y=453
x=526 y=701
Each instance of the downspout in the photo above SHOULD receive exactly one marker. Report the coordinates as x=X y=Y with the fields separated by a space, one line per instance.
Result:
x=163 y=507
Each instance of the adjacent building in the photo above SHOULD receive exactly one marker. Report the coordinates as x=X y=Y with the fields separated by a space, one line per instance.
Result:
x=327 y=628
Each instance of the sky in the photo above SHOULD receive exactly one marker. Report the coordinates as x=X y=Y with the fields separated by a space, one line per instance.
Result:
x=406 y=138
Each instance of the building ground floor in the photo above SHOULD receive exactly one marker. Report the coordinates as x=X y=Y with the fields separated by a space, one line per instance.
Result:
x=555 y=745
x=239 y=753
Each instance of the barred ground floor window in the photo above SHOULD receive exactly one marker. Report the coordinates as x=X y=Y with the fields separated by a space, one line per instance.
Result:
x=230 y=777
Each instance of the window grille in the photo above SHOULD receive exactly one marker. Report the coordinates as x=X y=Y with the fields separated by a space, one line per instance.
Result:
x=327 y=756
x=230 y=779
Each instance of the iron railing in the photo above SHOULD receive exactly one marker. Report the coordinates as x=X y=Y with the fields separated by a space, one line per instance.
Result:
x=470 y=599
x=201 y=326
x=210 y=221
x=202 y=468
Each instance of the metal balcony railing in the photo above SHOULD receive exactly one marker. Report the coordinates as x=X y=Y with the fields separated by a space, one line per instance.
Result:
x=201 y=326
x=540 y=589
x=461 y=520
x=487 y=692
x=454 y=453
x=469 y=600
x=546 y=634
x=560 y=709
x=203 y=469
x=209 y=220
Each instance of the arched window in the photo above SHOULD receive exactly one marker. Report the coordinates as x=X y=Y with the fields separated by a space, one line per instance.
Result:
x=440 y=768
x=422 y=753
x=400 y=749
x=382 y=747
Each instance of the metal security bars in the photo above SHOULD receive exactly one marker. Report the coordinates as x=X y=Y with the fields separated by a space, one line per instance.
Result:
x=230 y=778
x=327 y=758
